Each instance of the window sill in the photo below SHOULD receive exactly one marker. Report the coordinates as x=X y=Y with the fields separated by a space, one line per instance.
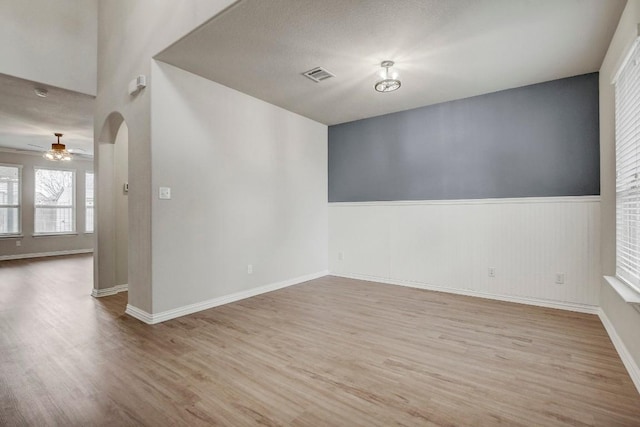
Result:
x=11 y=236
x=626 y=292
x=54 y=234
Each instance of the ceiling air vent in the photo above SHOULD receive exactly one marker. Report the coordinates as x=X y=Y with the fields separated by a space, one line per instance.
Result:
x=318 y=74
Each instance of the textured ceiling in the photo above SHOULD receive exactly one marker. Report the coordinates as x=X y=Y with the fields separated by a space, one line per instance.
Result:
x=443 y=49
x=28 y=122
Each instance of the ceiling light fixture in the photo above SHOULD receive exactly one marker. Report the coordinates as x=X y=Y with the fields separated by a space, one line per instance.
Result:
x=390 y=81
x=58 y=151
x=42 y=93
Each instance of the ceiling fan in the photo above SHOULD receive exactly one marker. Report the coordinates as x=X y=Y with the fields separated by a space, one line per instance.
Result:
x=76 y=152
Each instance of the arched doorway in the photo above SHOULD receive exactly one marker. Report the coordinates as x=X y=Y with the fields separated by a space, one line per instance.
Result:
x=111 y=255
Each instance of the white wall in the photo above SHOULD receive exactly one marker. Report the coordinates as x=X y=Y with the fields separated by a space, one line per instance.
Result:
x=450 y=245
x=623 y=317
x=121 y=204
x=129 y=35
x=51 y=42
x=248 y=185
x=46 y=244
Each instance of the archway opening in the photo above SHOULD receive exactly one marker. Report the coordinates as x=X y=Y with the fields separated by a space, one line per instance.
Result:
x=121 y=204
x=111 y=255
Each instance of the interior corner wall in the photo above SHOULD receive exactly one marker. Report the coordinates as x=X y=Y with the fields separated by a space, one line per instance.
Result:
x=50 y=42
x=494 y=196
x=248 y=186
x=130 y=33
x=622 y=316
x=30 y=245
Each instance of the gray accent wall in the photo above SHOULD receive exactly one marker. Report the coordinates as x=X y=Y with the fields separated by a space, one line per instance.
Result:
x=535 y=141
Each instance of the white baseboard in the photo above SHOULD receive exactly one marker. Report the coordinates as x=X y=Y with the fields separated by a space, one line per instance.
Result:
x=139 y=314
x=627 y=360
x=215 y=302
x=561 y=305
x=45 y=254
x=97 y=293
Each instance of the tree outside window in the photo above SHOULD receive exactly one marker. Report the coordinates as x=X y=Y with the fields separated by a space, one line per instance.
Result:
x=55 y=201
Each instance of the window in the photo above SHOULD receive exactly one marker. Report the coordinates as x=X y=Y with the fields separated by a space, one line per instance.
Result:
x=627 y=110
x=88 y=202
x=55 y=201
x=10 y=176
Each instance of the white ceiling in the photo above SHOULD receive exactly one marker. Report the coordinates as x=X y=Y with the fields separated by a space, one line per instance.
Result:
x=28 y=122
x=443 y=49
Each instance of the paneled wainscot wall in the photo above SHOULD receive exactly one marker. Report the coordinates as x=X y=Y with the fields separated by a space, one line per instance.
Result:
x=451 y=245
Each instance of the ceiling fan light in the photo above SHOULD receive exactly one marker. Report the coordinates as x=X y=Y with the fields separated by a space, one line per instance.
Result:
x=58 y=151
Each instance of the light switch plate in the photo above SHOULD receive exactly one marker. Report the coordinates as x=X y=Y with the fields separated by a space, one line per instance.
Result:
x=164 y=193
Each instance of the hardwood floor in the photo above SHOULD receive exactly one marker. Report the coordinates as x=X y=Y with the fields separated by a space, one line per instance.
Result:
x=331 y=351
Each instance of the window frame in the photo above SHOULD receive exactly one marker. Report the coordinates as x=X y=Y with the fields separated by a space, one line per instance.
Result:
x=19 y=206
x=623 y=184
x=86 y=207
x=73 y=205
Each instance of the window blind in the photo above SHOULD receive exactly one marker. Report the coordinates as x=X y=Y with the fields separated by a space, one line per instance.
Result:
x=627 y=114
x=10 y=177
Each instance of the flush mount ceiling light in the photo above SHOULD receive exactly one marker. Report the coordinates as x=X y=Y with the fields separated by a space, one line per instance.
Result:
x=58 y=151
x=390 y=81
x=41 y=92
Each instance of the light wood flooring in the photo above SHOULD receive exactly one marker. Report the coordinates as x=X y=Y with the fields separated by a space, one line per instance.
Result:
x=330 y=352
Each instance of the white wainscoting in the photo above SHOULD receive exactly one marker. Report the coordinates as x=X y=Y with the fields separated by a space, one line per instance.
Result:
x=450 y=245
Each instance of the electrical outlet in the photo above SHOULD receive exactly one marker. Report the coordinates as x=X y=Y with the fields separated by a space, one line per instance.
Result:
x=340 y=256
x=18 y=242
x=250 y=269
x=560 y=278
x=492 y=272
